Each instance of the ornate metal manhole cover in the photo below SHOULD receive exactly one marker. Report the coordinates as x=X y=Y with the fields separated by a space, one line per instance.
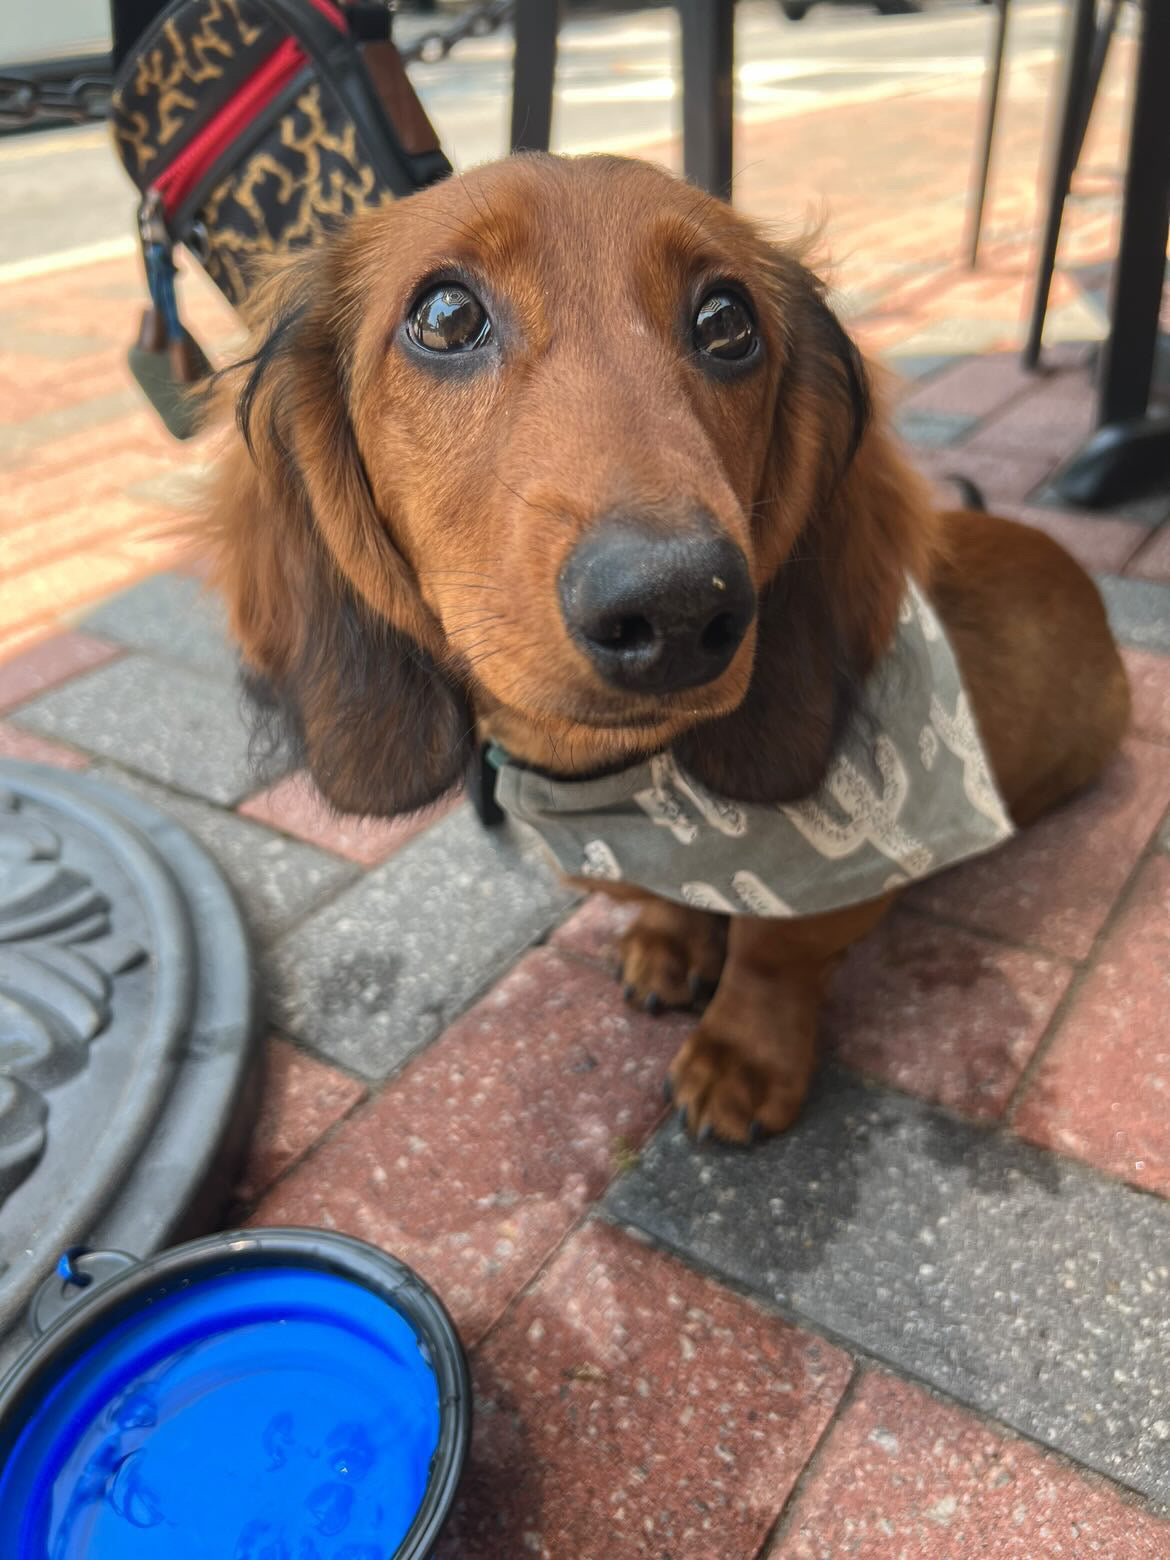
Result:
x=126 y=1029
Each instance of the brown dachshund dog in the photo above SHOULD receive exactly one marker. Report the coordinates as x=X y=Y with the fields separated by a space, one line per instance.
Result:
x=460 y=393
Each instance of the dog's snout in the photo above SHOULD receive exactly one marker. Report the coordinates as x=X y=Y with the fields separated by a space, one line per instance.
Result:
x=656 y=613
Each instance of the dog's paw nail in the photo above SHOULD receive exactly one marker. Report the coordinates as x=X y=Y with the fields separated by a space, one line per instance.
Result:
x=682 y=1118
x=705 y=1133
x=702 y=990
x=653 y=1004
x=667 y=1089
x=628 y=992
x=755 y=1133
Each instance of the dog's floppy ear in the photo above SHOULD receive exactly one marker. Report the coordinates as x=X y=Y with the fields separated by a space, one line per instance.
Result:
x=341 y=657
x=847 y=520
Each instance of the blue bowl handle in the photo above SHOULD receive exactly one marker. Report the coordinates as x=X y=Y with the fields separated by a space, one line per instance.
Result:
x=78 y=1272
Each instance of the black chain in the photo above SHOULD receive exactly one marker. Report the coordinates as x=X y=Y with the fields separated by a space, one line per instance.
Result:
x=23 y=100
x=434 y=47
x=86 y=98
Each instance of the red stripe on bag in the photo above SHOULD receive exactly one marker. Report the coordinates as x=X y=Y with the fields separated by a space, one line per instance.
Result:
x=177 y=180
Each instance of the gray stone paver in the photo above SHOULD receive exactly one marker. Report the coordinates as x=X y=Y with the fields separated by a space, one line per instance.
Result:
x=277 y=880
x=1016 y=1281
x=932 y=430
x=174 y=725
x=1139 y=612
x=173 y=616
x=380 y=971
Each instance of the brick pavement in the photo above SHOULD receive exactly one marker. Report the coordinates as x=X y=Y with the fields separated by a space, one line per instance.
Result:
x=930 y=1321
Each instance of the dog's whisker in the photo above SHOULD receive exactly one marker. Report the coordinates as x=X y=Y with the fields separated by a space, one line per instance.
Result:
x=479 y=210
x=464 y=627
x=485 y=576
x=528 y=502
x=473 y=661
x=457 y=638
x=468 y=653
x=454 y=226
x=515 y=651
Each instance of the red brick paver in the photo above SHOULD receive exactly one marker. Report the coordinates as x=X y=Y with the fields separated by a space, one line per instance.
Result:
x=1153 y=562
x=1005 y=477
x=1149 y=681
x=595 y=931
x=903 y=1475
x=475 y=1163
x=302 y=1098
x=1103 y=1091
x=941 y=1013
x=78 y=445
x=59 y=587
x=1056 y=416
x=295 y=806
x=15 y=743
x=628 y=1407
x=1101 y=543
x=975 y=387
x=51 y=662
x=1053 y=886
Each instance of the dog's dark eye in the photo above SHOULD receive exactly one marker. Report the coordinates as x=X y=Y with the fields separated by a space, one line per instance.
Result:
x=724 y=328
x=449 y=319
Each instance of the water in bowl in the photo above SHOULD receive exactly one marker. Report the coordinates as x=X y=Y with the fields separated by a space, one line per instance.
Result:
x=270 y=1414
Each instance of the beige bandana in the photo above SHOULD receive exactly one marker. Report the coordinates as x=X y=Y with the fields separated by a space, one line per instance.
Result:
x=908 y=793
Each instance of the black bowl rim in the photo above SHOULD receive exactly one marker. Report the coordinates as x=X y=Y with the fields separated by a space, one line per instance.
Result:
x=241 y=1250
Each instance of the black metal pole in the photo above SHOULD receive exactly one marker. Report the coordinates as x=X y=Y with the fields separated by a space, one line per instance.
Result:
x=1078 y=46
x=992 y=75
x=129 y=19
x=1102 y=38
x=1127 y=363
x=533 y=73
x=708 y=52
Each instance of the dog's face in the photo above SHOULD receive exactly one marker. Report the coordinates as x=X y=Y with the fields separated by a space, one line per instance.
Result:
x=559 y=449
x=563 y=371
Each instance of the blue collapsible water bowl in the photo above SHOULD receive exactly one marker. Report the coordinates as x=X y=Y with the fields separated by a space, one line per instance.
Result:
x=251 y=1396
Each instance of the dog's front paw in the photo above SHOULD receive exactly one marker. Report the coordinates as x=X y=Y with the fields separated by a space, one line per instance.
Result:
x=671 y=960
x=722 y=1092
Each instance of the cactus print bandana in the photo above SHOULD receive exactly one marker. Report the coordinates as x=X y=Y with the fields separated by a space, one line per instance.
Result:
x=909 y=792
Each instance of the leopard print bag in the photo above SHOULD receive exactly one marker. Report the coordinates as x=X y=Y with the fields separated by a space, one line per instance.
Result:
x=250 y=127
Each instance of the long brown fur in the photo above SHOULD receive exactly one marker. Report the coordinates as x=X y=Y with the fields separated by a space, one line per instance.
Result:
x=389 y=539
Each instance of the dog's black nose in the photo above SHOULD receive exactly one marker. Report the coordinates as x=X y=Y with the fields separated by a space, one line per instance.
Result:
x=656 y=613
